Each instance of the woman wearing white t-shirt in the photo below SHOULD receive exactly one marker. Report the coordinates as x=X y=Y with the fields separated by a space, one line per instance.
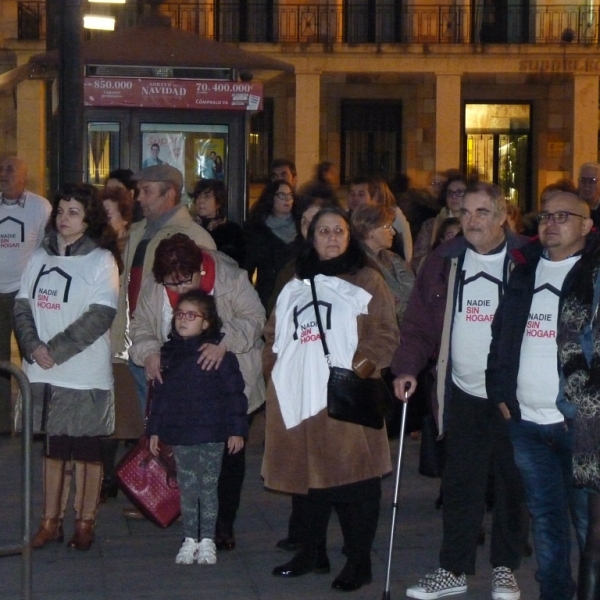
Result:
x=63 y=313
x=306 y=451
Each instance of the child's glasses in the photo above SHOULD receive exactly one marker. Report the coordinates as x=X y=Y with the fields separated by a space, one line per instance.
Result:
x=188 y=316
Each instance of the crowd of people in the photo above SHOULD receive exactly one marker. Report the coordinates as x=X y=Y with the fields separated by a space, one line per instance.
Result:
x=127 y=306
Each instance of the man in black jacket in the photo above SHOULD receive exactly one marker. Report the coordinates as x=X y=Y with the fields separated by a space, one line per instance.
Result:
x=522 y=378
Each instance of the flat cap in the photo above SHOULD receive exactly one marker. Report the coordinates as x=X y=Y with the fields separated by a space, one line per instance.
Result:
x=161 y=173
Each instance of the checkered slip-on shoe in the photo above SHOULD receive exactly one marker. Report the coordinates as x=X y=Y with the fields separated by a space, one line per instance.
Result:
x=439 y=584
x=504 y=585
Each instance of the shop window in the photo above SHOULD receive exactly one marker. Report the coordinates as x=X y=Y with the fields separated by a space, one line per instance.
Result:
x=260 y=147
x=371 y=139
x=498 y=148
x=103 y=151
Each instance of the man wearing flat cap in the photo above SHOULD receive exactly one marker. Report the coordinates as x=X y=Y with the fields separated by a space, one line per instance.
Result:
x=160 y=195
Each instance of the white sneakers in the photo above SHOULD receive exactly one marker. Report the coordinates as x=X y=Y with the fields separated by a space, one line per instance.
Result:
x=442 y=583
x=188 y=553
x=205 y=552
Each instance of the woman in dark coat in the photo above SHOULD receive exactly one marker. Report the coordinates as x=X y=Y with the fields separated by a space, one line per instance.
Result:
x=210 y=203
x=269 y=234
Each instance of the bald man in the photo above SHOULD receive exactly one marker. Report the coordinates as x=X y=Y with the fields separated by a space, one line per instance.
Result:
x=523 y=380
x=23 y=218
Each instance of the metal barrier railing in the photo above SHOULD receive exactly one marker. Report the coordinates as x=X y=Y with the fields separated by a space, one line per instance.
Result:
x=24 y=548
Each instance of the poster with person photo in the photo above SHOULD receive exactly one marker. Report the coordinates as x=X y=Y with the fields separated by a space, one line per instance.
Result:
x=163 y=148
x=210 y=158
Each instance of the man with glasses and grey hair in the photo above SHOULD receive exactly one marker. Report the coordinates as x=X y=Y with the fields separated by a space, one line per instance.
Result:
x=589 y=189
x=523 y=376
x=449 y=317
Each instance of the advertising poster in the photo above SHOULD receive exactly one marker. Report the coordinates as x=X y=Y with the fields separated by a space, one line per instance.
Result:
x=163 y=148
x=210 y=157
x=172 y=93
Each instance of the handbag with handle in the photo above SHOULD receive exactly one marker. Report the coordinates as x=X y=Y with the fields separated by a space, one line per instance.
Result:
x=150 y=482
x=351 y=398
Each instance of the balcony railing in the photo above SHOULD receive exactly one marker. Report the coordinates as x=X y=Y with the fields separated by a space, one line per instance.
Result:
x=262 y=21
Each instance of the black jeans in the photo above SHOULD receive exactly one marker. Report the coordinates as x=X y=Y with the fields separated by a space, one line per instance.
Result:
x=231 y=481
x=477 y=440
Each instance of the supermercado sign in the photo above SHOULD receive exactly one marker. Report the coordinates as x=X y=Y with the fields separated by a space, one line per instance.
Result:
x=172 y=93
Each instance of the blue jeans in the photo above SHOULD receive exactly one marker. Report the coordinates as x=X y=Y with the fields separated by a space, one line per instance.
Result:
x=141 y=384
x=543 y=456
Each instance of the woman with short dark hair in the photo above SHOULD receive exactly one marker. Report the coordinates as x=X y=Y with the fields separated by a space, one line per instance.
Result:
x=210 y=205
x=63 y=313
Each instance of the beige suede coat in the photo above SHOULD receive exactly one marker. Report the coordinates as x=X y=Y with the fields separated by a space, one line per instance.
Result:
x=180 y=222
x=321 y=452
x=240 y=310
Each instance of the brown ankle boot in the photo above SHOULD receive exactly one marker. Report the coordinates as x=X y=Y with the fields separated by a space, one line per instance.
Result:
x=50 y=530
x=84 y=535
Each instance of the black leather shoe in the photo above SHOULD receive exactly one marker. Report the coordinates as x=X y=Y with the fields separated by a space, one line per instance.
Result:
x=225 y=542
x=353 y=576
x=288 y=545
x=302 y=564
x=109 y=489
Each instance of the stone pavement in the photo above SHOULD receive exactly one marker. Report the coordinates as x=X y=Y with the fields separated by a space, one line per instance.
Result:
x=136 y=560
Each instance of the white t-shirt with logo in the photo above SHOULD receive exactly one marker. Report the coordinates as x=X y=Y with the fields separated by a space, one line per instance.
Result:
x=537 y=382
x=60 y=289
x=479 y=291
x=301 y=371
x=21 y=232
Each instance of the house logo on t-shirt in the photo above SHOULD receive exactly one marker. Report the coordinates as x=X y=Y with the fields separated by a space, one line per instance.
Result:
x=51 y=288
x=309 y=330
x=541 y=324
x=12 y=232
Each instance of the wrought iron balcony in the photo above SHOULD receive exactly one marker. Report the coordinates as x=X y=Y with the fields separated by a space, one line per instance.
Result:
x=355 y=22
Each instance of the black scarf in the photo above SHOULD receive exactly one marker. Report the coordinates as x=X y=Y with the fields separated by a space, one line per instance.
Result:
x=309 y=264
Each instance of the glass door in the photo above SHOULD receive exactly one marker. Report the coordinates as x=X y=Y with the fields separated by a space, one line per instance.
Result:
x=498 y=148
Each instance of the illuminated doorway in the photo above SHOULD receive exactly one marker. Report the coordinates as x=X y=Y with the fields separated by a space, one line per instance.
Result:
x=498 y=148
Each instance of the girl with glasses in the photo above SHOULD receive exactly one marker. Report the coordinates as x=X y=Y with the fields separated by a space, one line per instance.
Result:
x=179 y=267
x=198 y=412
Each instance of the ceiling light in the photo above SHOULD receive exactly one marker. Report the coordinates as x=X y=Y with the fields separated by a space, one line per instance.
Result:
x=96 y=22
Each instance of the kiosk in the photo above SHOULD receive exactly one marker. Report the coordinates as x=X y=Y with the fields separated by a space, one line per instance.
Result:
x=154 y=94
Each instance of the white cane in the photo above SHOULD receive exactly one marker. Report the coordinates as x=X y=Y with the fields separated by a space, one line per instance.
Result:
x=386 y=592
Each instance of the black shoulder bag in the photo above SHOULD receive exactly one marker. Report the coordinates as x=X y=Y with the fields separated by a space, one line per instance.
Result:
x=349 y=397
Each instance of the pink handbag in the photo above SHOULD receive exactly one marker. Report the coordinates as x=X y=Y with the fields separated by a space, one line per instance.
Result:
x=150 y=482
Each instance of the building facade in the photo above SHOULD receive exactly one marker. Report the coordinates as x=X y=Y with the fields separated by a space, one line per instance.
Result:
x=507 y=90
